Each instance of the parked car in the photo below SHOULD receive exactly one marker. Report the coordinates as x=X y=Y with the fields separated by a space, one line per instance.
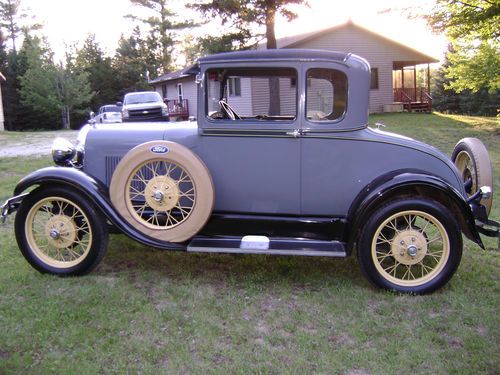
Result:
x=144 y=106
x=108 y=114
x=288 y=167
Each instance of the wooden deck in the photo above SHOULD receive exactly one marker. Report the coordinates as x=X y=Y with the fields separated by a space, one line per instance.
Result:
x=414 y=99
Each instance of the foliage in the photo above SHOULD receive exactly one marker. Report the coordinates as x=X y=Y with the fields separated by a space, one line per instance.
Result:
x=248 y=18
x=162 y=26
x=104 y=79
x=49 y=89
x=472 y=27
x=130 y=64
x=12 y=20
x=479 y=102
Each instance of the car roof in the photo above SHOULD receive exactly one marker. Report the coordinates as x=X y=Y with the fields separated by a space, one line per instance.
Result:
x=281 y=54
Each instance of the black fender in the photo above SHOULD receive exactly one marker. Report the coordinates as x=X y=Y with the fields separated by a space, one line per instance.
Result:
x=411 y=184
x=94 y=190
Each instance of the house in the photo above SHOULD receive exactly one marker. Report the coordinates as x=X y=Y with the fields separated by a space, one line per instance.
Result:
x=394 y=74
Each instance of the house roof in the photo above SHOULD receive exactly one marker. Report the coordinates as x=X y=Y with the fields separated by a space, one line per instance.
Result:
x=186 y=72
x=295 y=41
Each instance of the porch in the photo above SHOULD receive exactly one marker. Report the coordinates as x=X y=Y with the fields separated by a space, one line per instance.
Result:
x=177 y=109
x=411 y=86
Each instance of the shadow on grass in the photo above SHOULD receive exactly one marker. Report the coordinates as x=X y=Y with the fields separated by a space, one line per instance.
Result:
x=136 y=262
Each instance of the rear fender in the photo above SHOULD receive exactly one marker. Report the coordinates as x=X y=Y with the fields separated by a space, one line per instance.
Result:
x=411 y=184
x=94 y=190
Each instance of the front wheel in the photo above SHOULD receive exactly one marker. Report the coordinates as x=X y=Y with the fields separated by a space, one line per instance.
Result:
x=59 y=232
x=410 y=246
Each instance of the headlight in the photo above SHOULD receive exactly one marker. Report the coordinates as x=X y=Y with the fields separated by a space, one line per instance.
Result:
x=62 y=152
x=124 y=113
x=164 y=111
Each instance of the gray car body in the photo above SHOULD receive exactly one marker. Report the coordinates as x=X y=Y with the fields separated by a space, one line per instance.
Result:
x=298 y=167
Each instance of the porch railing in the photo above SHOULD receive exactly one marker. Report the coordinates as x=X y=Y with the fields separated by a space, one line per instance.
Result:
x=414 y=94
x=178 y=108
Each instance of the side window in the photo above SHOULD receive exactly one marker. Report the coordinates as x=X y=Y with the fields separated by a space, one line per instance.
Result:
x=326 y=97
x=256 y=94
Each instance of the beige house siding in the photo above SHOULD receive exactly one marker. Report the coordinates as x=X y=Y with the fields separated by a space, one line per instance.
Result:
x=368 y=46
x=169 y=90
x=378 y=50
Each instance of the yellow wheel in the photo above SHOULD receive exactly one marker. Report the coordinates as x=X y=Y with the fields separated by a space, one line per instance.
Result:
x=58 y=232
x=474 y=165
x=411 y=245
x=164 y=190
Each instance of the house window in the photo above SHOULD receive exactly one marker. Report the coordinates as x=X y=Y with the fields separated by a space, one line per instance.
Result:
x=180 y=94
x=234 y=85
x=374 y=79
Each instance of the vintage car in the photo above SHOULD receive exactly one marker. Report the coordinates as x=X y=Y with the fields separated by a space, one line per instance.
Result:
x=280 y=160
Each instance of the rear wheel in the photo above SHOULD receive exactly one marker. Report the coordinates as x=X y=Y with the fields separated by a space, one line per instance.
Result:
x=473 y=162
x=60 y=233
x=410 y=246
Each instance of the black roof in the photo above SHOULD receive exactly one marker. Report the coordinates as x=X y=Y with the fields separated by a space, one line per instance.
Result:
x=273 y=54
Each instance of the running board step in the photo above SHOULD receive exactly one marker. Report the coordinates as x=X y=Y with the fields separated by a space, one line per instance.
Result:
x=265 y=245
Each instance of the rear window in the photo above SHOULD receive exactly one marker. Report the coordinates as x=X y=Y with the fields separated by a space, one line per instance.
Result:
x=326 y=96
x=112 y=108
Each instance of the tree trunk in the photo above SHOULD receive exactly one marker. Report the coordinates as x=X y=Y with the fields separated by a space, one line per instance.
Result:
x=274 y=83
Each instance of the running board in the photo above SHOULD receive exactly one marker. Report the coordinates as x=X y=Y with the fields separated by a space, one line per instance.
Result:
x=265 y=245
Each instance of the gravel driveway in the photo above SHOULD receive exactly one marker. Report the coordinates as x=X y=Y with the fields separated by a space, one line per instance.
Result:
x=31 y=143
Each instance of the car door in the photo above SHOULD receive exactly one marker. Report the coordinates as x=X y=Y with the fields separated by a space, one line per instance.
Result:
x=328 y=163
x=253 y=154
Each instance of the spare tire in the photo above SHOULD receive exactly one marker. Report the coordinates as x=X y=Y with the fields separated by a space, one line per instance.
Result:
x=473 y=162
x=164 y=190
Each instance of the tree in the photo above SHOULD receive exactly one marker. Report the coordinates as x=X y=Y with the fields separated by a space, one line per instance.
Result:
x=162 y=32
x=11 y=20
x=250 y=20
x=49 y=89
x=102 y=76
x=72 y=89
x=130 y=64
x=472 y=27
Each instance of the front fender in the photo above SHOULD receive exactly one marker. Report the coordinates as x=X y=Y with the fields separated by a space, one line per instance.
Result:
x=414 y=184
x=93 y=190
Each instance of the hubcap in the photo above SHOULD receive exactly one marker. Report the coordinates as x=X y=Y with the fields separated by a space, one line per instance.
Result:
x=162 y=193
x=409 y=247
x=60 y=231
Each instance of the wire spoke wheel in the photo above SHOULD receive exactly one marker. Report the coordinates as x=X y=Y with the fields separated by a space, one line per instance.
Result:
x=161 y=193
x=465 y=166
x=58 y=232
x=415 y=252
x=164 y=190
x=410 y=245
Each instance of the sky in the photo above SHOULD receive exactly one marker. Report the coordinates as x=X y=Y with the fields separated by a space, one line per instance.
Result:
x=69 y=21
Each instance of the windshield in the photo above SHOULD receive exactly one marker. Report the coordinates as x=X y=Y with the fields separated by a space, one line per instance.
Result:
x=142 y=97
x=112 y=108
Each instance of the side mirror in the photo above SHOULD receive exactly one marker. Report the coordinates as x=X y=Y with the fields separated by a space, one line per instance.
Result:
x=119 y=104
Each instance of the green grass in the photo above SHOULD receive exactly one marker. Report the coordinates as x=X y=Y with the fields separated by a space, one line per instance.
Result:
x=149 y=311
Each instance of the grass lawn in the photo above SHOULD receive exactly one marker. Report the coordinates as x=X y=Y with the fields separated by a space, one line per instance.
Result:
x=149 y=311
